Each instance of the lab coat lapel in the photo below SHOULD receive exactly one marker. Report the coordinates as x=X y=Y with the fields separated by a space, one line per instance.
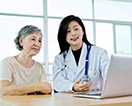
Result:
x=82 y=58
x=70 y=61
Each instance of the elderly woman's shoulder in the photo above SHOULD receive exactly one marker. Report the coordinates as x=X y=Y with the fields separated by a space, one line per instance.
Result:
x=38 y=63
x=8 y=59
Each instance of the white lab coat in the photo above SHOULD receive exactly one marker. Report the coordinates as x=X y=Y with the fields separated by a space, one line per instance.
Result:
x=64 y=77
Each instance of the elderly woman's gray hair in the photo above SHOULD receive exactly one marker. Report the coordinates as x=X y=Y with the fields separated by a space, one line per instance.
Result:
x=24 y=31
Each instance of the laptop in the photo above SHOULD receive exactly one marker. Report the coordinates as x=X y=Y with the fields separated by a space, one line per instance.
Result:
x=118 y=80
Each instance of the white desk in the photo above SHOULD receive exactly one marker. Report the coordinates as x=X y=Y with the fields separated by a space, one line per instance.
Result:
x=62 y=99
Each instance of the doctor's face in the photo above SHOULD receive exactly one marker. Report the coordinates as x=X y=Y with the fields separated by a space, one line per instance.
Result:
x=74 y=35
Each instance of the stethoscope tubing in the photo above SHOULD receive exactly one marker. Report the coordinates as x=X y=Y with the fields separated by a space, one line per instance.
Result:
x=86 y=60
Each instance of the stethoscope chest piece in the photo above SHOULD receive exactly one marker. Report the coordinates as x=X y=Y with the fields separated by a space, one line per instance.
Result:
x=85 y=79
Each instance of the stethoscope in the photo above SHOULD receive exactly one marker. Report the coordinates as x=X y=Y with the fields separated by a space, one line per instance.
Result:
x=85 y=77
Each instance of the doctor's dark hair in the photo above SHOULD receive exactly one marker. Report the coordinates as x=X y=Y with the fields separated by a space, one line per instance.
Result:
x=63 y=44
x=24 y=31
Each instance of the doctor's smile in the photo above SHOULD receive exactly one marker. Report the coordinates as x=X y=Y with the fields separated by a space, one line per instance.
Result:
x=74 y=39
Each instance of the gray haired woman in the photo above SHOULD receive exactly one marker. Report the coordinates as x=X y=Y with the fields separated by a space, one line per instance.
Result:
x=20 y=74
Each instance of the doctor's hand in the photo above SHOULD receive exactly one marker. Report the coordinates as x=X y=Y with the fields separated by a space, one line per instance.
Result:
x=77 y=87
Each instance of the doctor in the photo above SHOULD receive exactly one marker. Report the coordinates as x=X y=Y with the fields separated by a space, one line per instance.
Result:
x=80 y=66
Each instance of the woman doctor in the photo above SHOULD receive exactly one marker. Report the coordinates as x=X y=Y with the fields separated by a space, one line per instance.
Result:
x=80 y=66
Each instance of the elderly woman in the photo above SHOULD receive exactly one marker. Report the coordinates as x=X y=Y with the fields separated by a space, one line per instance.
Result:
x=20 y=74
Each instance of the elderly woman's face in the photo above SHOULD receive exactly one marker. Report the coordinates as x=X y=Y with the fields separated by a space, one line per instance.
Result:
x=32 y=43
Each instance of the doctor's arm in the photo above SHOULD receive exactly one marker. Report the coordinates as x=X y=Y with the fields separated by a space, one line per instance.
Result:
x=62 y=83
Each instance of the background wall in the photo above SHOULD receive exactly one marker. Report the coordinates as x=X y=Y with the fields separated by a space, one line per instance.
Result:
x=108 y=24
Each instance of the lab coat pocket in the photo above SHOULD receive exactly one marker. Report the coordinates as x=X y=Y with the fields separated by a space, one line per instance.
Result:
x=94 y=74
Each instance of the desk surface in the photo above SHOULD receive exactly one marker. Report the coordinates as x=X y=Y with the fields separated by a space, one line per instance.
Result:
x=62 y=99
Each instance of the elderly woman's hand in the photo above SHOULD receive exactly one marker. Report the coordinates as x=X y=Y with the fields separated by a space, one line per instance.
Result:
x=43 y=87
